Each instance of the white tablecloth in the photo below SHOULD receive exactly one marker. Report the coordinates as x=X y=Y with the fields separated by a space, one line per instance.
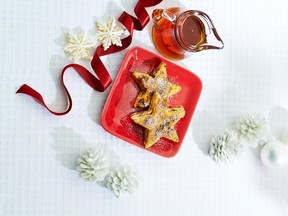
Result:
x=38 y=150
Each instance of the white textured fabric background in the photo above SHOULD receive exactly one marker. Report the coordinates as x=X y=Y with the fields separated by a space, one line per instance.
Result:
x=38 y=150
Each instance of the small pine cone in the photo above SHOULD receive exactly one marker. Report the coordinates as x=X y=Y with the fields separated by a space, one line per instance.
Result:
x=122 y=180
x=252 y=128
x=93 y=165
x=225 y=147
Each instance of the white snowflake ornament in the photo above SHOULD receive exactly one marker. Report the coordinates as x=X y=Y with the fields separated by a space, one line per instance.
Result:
x=93 y=165
x=252 y=128
x=109 y=33
x=78 y=47
x=225 y=147
x=122 y=180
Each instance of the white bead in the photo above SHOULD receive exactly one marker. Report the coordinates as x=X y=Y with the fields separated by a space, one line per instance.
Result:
x=274 y=153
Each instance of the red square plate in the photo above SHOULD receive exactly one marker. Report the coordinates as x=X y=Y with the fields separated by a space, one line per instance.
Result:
x=119 y=105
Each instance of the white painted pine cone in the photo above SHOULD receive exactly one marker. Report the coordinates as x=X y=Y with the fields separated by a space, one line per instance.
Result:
x=252 y=128
x=93 y=165
x=225 y=147
x=122 y=180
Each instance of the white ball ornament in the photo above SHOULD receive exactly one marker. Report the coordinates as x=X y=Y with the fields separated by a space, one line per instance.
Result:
x=274 y=154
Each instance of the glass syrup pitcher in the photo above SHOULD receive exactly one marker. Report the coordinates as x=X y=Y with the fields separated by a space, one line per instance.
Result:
x=177 y=33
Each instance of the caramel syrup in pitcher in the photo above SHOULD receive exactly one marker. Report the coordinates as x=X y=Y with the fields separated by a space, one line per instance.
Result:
x=173 y=38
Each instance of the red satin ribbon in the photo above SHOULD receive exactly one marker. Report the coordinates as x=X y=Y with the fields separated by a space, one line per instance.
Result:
x=104 y=80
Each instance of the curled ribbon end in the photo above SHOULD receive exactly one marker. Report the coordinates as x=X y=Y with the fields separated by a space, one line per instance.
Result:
x=22 y=89
x=25 y=89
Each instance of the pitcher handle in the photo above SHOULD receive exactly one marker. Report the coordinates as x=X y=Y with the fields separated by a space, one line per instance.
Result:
x=216 y=42
x=162 y=18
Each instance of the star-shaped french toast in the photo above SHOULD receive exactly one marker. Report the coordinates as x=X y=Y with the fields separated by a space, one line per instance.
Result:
x=158 y=120
x=156 y=82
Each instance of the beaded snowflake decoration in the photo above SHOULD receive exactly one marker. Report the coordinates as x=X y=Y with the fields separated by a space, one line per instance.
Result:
x=109 y=33
x=78 y=47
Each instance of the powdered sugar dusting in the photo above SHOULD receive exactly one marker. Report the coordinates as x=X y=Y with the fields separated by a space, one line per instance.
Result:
x=132 y=129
